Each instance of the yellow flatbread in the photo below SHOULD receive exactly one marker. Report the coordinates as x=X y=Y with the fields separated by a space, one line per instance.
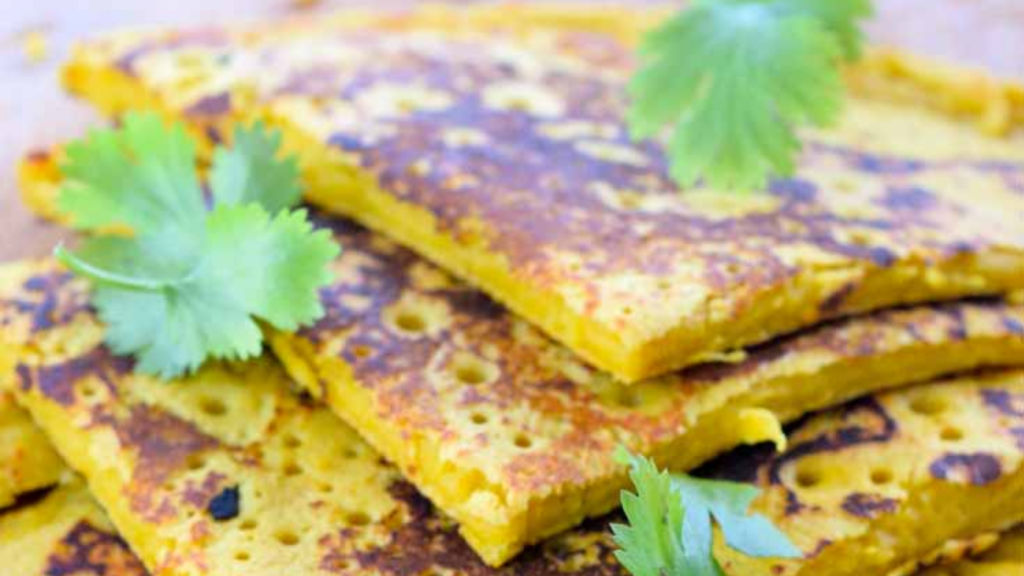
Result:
x=230 y=472
x=514 y=437
x=1006 y=558
x=503 y=157
x=27 y=460
x=49 y=524
x=64 y=533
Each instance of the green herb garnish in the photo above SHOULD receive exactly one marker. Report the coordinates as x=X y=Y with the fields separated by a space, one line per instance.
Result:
x=670 y=523
x=189 y=284
x=735 y=77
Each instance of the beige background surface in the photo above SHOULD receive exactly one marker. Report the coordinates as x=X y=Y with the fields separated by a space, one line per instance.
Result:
x=34 y=112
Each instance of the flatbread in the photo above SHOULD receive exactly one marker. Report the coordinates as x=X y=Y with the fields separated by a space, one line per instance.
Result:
x=503 y=158
x=63 y=533
x=514 y=437
x=230 y=472
x=49 y=524
x=27 y=460
x=1004 y=559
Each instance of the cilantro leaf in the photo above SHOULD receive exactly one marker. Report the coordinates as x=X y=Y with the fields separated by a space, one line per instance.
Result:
x=728 y=503
x=734 y=77
x=652 y=543
x=839 y=16
x=670 y=523
x=141 y=176
x=249 y=172
x=190 y=285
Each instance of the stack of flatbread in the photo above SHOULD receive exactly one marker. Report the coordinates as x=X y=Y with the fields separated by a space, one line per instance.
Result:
x=522 y=291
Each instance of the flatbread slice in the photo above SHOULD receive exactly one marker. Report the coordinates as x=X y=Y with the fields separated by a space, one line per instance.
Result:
x=27 y=460
x=63 y=533
x=49 y=524
x=514 y=437
x=502 y=156
x=230 y=472
x=1005 y=558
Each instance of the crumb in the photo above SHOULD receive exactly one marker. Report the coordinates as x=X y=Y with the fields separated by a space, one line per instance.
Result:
x=35 y=46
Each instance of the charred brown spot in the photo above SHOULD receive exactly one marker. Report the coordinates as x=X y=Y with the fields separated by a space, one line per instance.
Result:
x=873 y=425
x=163 y=444
x=425 y=543
x=215 y=105
x=977 y=468
x=868 y=505
x=1013 y=325
x=90 y=551
x=58 y=382
x=1004 y=401
x=46 y=302
x=1018 y=437
x=200 y=494
x=909 y=198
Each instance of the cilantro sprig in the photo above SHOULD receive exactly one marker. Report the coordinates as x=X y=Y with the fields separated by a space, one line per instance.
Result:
x=735 y=77
x=176 y=283
x=670 y=523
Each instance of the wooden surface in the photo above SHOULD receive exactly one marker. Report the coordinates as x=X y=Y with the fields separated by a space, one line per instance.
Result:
x=35 y=113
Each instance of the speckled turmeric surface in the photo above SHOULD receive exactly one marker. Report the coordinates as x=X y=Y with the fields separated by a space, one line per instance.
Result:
x=63 y=533
x=49 y=524
x=27 y=461
x=514 y=437
x=501 y=155
x=231 y=472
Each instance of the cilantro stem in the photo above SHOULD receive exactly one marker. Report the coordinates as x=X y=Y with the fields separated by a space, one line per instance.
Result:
x=95 y=273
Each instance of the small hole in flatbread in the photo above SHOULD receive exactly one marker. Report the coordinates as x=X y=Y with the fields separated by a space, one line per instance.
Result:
x=287 y=537
x=338 y=564
x=808 y=478
x=469 y=374
x=881 y=476
x=928 y=405
x=292 y=469
x=472 y=371
x=291 y=441
x=410 y=321
x=213 y=407
x=248 y=524
x=952 y=434
x=478 y=418
x=628 y=398
x=358 y=519
x=242 y=556
x=195 y=462
x=523 y=442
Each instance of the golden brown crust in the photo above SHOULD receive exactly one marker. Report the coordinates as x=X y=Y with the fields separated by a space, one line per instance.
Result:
x=63 y=533
x=503 y=157
x=27 y=460
x=304 y=493
x=514 y=437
